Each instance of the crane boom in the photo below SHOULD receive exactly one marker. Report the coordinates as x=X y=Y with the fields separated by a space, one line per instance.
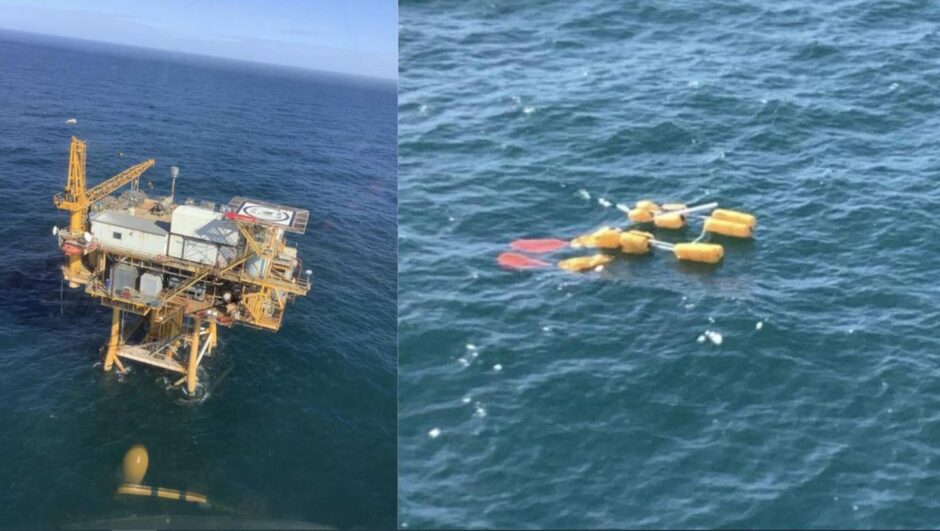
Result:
x=77 y=199
x=106 y=188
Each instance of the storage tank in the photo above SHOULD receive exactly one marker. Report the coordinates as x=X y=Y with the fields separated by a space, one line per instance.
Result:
x=123 y=278
x=151 y=285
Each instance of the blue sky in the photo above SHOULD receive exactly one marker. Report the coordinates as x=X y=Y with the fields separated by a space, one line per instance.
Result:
x=354 y=37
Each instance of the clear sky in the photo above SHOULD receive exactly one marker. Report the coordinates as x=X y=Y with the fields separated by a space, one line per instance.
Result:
x=354 y=37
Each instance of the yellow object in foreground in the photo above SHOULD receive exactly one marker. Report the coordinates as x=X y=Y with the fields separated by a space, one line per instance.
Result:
x=160 y=492
x=728 y=228
x=583 y=263
x=136 y=461
x=709 y=253
x=735 y=216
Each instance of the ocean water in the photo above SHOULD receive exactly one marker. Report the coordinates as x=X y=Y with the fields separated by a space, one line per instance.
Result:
x=819 y=408
x=298 y=425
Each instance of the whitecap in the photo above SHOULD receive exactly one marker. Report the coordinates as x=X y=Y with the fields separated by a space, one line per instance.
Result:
x=759 y=325
x=434 y=433
x=464 y=362
x=714 y=337
x=498 y=367
x=583 y=194
x=603 y=202
x=529 y=109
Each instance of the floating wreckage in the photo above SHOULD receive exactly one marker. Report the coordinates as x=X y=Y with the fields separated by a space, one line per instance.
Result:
x=631 y=240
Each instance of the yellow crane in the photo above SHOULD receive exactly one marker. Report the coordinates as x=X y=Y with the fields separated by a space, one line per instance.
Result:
x=77 y=200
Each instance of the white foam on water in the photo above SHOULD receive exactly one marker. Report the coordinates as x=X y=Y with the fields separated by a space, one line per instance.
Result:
x=622 y=207
x=498 y=367
x=71 y=121
x=693 y=83
x=463 y=362
x=546 y=329
x=434 y=433
x=583 y=194
x=714 y=337
x=466 y=399
x=471 y=346
x=529 y=109
x=759 y=325
x=598 y=269
x=479 y=410
x=701 y=338
x=603 y=202
x=893 y=87
x=423 y=110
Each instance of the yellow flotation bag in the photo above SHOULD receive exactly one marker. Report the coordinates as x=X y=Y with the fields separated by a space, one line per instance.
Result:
x=635 y=242
x=674 y=206
x=735 y=217
x=583 y=263
x=728 y=228
x=640 y=215
x=709 y=253
x=605 y=238
x=646 y=204
x=669 y=221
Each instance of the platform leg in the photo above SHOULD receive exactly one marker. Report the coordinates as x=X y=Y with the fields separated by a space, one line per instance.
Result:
x=213 y=336
x=193 y=358
x=113 y=343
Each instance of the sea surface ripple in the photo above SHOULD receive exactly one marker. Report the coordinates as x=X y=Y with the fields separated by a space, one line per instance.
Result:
x=820 y=407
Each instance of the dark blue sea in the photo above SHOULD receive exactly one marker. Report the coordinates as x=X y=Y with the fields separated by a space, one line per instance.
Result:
x=298 y=425
x=820 y=407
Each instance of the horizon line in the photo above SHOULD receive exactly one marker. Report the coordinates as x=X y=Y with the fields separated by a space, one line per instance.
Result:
x=204 y=56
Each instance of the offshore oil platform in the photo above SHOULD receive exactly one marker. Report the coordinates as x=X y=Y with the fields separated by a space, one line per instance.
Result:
x=179 y=270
